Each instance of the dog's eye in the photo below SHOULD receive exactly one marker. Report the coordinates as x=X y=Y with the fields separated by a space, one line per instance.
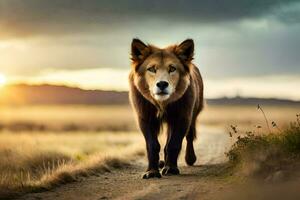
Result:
x=172 y=69
x=152 y=69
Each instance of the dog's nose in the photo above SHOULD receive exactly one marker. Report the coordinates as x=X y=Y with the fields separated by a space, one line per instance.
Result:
x=162 y=85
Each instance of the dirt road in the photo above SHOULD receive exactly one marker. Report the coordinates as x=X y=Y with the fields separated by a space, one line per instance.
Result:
x=194 y=182
x=127 y=184
x=199 y=182
x=205 y=180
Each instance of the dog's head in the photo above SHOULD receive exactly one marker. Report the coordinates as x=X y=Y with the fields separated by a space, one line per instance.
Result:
x=162 y=75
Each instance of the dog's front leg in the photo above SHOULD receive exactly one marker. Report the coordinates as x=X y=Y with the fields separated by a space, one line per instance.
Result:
x=177 y=129
x=150 y=129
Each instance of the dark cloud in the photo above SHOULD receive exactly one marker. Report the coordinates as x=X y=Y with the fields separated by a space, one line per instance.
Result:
x=30 y=17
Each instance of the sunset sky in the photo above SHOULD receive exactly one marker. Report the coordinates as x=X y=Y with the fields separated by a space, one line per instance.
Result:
x=244 y=47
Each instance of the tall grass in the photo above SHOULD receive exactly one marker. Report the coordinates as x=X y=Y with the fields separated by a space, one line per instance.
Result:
x=262 y=154
x=37 y=161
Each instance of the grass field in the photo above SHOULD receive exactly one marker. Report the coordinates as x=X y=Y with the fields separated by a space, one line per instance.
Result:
x=33 y=161
x=42 y=146
x=70 y=118
x=67 y=118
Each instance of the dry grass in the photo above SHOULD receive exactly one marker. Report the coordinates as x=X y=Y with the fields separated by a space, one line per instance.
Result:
x=70 y=118
x=35 y=161
x=267 y=154
x=44 y=146
x=247 y=117
x=67 y=118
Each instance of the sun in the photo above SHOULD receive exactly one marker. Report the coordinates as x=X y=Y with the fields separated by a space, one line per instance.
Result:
x=2 y=79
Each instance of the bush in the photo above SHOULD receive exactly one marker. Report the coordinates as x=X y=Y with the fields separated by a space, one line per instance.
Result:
x=257 y=154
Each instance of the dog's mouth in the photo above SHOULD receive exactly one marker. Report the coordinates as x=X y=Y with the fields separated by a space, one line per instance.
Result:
x=161 y=96
x=162 y=93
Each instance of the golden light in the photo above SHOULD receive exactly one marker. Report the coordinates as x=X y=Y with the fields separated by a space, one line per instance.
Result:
x=2 y=79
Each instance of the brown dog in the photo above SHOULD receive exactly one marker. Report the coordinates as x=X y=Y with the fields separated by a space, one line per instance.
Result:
x=166 y=87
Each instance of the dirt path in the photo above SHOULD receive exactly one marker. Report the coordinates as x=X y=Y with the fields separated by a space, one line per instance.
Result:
x=127 y=184
x=197 y=182
x=204 y=181
x=193 y=183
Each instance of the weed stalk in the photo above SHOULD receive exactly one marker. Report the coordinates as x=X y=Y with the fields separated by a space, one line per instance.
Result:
x=267 y=122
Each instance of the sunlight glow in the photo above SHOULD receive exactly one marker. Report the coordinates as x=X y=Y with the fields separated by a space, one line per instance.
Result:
x=2 y=79
x=117 y=79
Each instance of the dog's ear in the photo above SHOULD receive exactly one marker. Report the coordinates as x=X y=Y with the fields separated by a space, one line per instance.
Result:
x=185 y=50
x=139 y=50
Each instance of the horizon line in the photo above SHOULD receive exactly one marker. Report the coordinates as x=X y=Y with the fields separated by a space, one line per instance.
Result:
x=70 y=86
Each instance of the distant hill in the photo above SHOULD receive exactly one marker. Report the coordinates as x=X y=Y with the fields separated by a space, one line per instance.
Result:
x=54 y=94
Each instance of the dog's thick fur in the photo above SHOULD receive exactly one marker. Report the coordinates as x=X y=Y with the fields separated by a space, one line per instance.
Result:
x=179 y=109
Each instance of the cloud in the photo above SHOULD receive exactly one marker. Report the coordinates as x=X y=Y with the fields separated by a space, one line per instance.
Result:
x=43 y=17
x=233 y=38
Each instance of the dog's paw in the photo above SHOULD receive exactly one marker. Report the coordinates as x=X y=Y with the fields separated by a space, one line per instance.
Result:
x=152 y=174
x=190 y=158
x=161 y=164
x=170 y=171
